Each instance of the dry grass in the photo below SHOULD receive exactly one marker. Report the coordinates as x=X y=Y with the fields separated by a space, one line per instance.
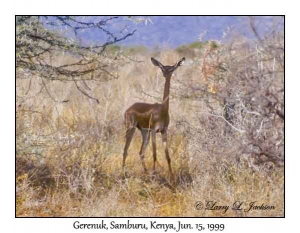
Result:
x=69 y=154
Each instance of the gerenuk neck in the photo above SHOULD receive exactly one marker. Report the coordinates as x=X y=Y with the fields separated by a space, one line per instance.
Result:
x=166 y=98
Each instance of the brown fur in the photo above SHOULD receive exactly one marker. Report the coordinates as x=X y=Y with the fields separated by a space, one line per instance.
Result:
x=151 y=118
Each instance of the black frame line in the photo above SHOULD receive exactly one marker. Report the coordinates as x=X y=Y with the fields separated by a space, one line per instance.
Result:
x=284 y=206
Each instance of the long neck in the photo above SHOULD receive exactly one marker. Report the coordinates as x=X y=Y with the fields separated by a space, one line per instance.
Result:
x=166 y=98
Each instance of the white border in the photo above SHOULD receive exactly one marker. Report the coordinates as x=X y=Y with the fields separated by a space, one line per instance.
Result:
x=113 y=7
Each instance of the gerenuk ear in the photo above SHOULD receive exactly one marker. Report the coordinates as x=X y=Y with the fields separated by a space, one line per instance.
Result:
x=180 y=63
x=155 y=62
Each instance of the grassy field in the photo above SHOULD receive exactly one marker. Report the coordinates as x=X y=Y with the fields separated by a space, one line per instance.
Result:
x=69 y=155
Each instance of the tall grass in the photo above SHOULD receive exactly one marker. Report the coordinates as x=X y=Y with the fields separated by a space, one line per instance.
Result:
x=69 y=155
